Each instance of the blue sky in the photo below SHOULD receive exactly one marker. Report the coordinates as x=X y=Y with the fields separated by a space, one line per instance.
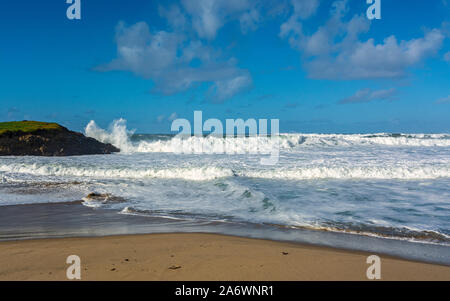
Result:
x=317 y=65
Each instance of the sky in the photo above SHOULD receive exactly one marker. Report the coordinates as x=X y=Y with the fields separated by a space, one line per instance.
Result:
x=316 y=65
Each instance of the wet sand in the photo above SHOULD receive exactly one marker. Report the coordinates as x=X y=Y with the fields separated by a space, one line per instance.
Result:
x=35 y=241
x=196 y=256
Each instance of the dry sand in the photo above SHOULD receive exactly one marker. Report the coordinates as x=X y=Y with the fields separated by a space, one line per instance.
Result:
x=182 y=256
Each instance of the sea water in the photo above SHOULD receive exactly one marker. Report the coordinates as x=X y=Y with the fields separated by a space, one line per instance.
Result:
x=394 y=186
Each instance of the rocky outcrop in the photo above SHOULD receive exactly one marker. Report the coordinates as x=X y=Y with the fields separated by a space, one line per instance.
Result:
x=51 y=142
x=103 y=198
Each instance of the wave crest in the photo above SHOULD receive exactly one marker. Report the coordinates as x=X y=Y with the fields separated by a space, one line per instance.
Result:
x=193 y=173
x=119 y=136
x=207 y=173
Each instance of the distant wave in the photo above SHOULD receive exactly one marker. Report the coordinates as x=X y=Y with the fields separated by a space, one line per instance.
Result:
x=194 y=173
x=119 y=136
x=363 y=172
x=211 y=172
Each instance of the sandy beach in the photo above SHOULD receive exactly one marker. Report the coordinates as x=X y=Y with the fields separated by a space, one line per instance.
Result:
x=189 y=140
x=195 y=256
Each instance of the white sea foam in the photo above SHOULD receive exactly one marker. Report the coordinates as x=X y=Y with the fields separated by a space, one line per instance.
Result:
x=425 y=140
x=368 y=183
x=362 y=172
x=212 y=172
x=194 y=173
x=118 y=135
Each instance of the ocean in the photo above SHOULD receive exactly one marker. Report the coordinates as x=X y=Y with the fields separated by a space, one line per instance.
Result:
x=384 y=186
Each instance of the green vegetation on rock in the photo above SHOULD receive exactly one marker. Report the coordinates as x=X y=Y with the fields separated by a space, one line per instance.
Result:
x=28 y=126
x=34 y=138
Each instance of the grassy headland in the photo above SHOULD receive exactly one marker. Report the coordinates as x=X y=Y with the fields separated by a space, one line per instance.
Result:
x=28 y=126
x=34 y=138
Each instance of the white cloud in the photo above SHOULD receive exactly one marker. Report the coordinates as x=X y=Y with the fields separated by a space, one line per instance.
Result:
x=446 y=28
x=228 y=87
x=209 y=16
x=174 y=16
x=172 y=116
x=321 y=41
x=447 y=57
x=165 y=58
x=334 y=50
x=366 y=60
x=443 y=100
x=249 y=20
x=292 y=28
x=160 y=118
x=367 y=95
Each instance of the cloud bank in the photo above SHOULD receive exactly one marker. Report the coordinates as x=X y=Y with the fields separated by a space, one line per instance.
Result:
x=334 y=50
x=368 y=95
x=182 y=56
x=167 y=59
x=443 y=100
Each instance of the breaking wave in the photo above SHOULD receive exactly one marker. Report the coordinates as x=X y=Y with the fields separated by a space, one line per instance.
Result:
x=119 y=136
x=363 y=172
x=212 y=172
x=399 y=232
x=194 y=174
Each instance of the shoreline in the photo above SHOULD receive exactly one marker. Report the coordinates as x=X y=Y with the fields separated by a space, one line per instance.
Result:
x=197 y=256
x=73 y=220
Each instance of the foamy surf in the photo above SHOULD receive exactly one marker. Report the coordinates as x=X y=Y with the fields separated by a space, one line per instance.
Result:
x=208 y=173
x=345 y=173
x=386 y=185
x=119 y=136
x=192 y=173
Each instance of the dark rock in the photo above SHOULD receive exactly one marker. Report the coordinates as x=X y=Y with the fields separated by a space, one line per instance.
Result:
x=175 y=267
x=51 y=142
x=103 y=198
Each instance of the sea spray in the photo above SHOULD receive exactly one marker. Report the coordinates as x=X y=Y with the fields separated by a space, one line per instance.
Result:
x=367 y=184
x=118 y=134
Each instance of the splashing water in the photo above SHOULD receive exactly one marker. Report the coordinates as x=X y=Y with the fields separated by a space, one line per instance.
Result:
x=118 y=135
x=392 y=185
